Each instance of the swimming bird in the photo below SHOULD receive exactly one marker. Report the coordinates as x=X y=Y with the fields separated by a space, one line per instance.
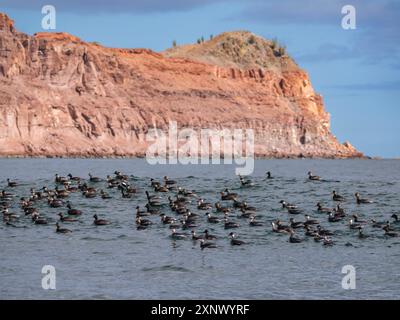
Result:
x=59 y=179
x=310 y=232
x=36 y=195
x=11 y=184
x=195 y=236
x=154 y=203
x=55 y=203
x=320 y=208
x=5 y=204
x=245 y=206
x=179 y=200
x=7 y=222
x=354 y=225
x=295 y=225
x=6 y=196
x=269 y=176
x=201 y=205
x=328 y=241
x=141 y=213
x=245 y=214
x=143 y=222
x=278 y=228
x=388 y=226
x=334 y=218
x=9 y=215
x=339 y=211
x=212 y=219
x=61 y=193
x=125 y=195
x=229 y=224
x=225 y=196
x=93 y=178
x=395 y=217
x=66 y=219
x=104 y=195
x=177 y=235
x=69 y=188
x=186 y=193
x=89 y=193
x=151 y=210
x=187 y=224
x=230 y=193
x=238 y=204
x=152 y=198
x=356 y=219
x=324 y=232
x=73 y=212
x=318 y=237
x=293 y=238
x=286 y=205
x=120 y=176
x=310 y=221
x=361 y=234
x=100 y=222
x=29 y=210
x=220 y=208
x=154 y=183
x=127 y=187
x=204 y=244
x=336 y=196
x=38 y=220
x=376 y=224
x=294 y=211
x=112 y=183
x=61 y=230
x=254 y=223
x=208 y=236
x=71 y=177
x=389 y=233
x=245 y=183
x=361 y=200
x=313 y=177
x=168 y=181
x=159 y=188
x=166 y=219
x=234 y=241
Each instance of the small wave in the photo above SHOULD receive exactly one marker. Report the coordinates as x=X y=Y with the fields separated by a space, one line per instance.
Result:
x=92 y=239
x=100 y=297
x=166 y=268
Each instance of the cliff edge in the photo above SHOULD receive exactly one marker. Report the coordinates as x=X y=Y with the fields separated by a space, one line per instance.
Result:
x=61 y=96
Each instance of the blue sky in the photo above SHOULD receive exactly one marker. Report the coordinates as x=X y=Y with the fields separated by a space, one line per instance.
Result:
x=356 y=71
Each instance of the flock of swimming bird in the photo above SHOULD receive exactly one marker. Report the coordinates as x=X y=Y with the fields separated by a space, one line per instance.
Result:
x=224 y=212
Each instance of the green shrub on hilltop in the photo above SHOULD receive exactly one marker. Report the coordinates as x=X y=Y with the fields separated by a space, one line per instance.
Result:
x=274 y=44
x=282 y=50
x=252 y=39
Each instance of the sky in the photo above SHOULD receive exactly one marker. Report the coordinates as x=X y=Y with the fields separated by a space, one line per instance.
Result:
x=355 y=70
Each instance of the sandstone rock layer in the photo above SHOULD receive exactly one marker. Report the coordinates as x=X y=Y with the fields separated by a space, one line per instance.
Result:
x=60 y=96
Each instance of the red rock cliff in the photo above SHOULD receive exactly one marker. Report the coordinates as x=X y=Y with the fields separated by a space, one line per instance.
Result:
x=60 y=96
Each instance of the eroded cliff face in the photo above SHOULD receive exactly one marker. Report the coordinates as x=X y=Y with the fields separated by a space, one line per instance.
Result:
x=60 y=96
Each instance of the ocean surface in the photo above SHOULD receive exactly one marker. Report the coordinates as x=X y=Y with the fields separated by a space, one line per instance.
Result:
x=118 y=261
